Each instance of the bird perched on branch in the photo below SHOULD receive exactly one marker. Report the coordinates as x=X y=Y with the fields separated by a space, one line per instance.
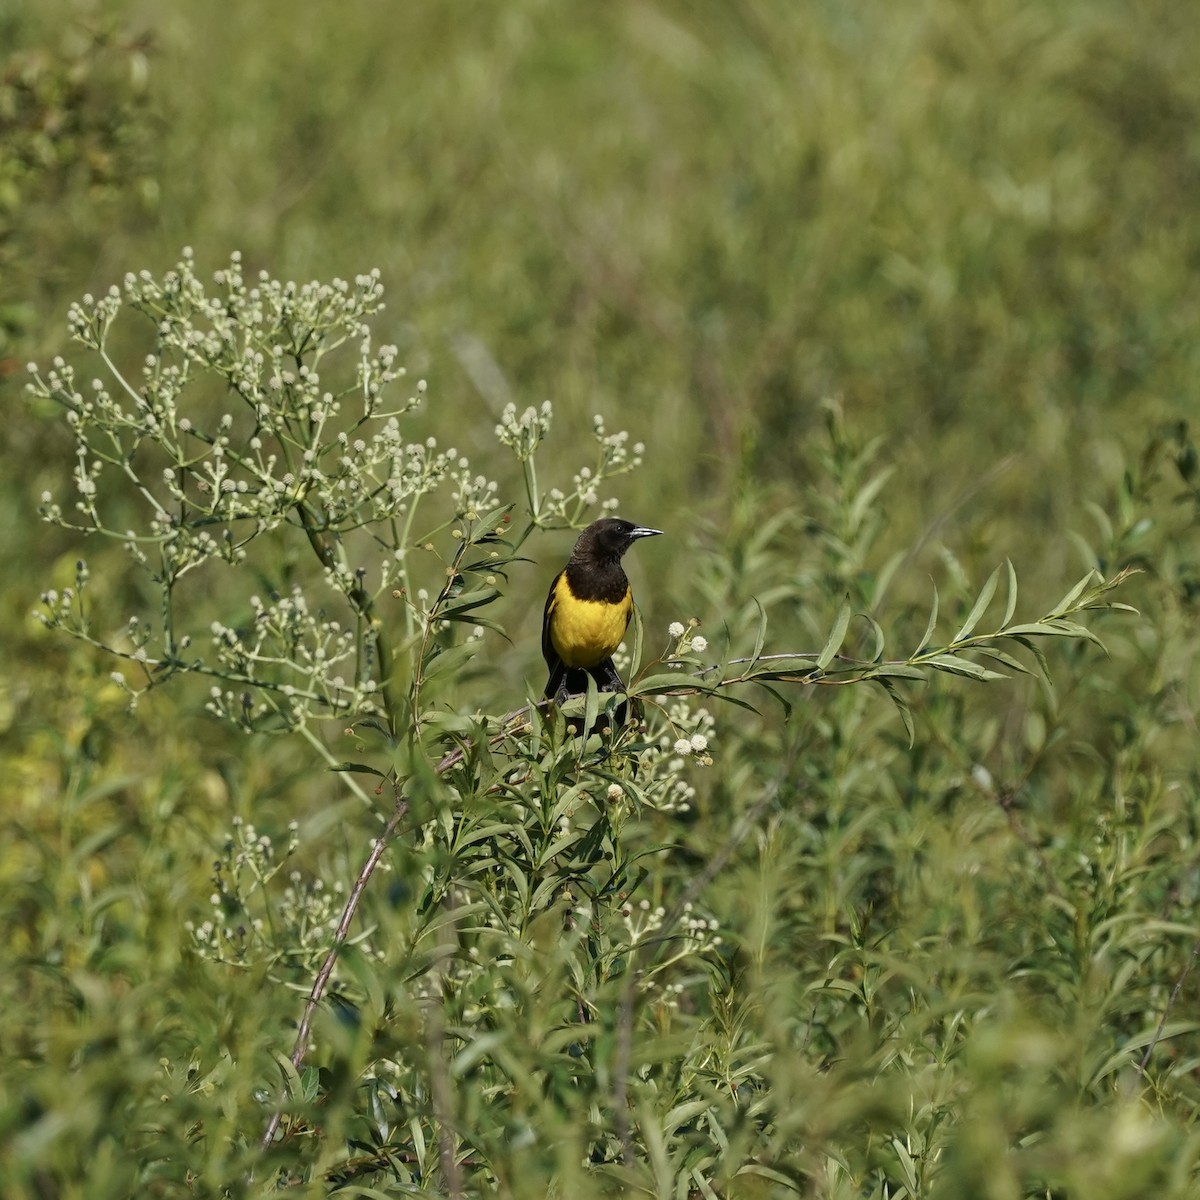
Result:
x=588 y=611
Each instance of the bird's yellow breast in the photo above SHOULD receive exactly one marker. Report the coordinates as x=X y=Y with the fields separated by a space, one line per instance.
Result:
x=586 y=632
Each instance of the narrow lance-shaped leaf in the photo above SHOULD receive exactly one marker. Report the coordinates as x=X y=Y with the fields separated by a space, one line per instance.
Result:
x=902 y=707
x=761 y=637
x=486 y=525
x=1054 y=627
x=865 y=498
x=671 y=682
x=931 y=624
x=962 y=666
x=1074 y=630
x=1002 y=656
x=1011 y=606
x=1035 y=650
x=1069 y=599
x=883 y=577
x=980 y=606
x=837 y=635
x=466 y=601
x=636 y=657
x=774 y=693
x=357 y=768
x=591 y=705
x=451 y=658
x=482 y=622
x=728 y=699
x=1033 y=629
x=877 y=630
x=896 y=671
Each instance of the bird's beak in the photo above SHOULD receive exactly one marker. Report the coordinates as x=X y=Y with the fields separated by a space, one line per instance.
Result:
x=641 y=531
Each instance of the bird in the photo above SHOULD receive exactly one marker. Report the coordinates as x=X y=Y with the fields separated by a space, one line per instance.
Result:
x=587 y=611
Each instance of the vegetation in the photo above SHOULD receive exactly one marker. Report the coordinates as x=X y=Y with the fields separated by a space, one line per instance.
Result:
x=892 y=891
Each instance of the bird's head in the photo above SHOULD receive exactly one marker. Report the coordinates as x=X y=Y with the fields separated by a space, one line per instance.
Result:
x=608 y=538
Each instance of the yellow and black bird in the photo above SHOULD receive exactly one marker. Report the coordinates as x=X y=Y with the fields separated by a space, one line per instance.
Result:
x=588 y=611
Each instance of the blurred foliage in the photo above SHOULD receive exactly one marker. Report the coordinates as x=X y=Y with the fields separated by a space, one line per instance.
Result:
x=946 y=965
x=74 y=130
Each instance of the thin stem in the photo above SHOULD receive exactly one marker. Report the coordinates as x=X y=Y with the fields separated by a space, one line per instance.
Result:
x=300 y=1049
x=531 y=488
x=115 y=371
x=1162 y=1023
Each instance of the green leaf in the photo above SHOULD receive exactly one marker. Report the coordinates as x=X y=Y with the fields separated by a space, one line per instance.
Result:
x=778 y=696
x=784 y=667
x=637 y=637
x=897 y=671
x=481 y=833
x=1069 y=599
x=483 y=623
x=866 y=496
x=962 y=666
x=486 y=525
x=669 y=681
x=591 y=705
x=1125 y=1055
x=1002 y=656
x=877 y=630
x=569 y=799
x=883 y=577
x=1033 y=629
x=681 y=1114
x=359 y=769
x=291 y=1077
x=1035 y=650
x=726 y=698
x=902 y=706
x=493 y=566
x=546 y=891
x=451 y=659
x=1074 y=629
x=907 y=1166
x=1010 y=606
x=837 y=635
x=364 y=973
x=1054 y=627
x=979 y=607
x=466 y=601
x=592 y=842
x=791 y=1183
x=518 y=877
x=448 y=724
x=760 y=639
x=931 y=624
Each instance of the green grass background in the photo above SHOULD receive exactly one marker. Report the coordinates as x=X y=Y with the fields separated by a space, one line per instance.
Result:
x=976 y=225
